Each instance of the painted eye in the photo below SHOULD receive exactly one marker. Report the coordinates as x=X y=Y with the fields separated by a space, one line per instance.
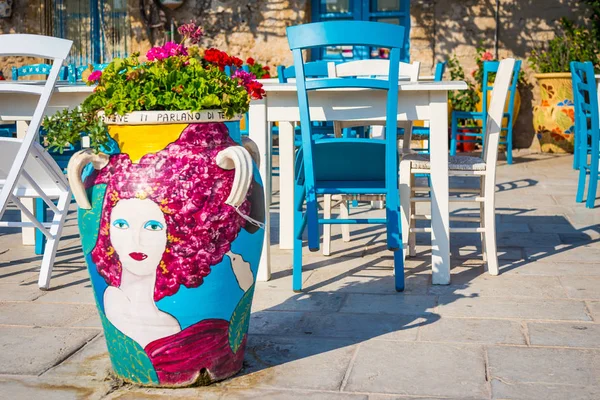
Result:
x=121 y=224
x=153 y=226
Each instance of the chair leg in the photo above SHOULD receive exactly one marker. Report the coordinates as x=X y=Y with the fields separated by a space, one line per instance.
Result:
x=405 y=191
x=509 y=143
x=399 y=270
x=491 y=255
x=412 y=236
x=327 y=227
x=58 y=222
x=581 y=181
x=453 y=132
x=482 y=218
x=41 y=210
x=297 y=252
x=593 y=185
x=345 y=214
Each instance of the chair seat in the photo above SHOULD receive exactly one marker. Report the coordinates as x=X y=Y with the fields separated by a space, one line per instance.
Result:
x=455 y=163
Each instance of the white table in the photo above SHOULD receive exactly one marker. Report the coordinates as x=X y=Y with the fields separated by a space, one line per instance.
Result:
x=20 y=107
x=417 y=101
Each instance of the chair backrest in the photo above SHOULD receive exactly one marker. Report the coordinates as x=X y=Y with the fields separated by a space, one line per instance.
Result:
x=490 y=68
x=38 y=69
x=493 y=126
x=440 y=68
x=312 y=69
x=75 y=73
x=585 y=94
x=33 y=46
x=374 y=67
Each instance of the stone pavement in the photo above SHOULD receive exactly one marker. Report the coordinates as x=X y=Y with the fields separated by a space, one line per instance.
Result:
x=531 y=333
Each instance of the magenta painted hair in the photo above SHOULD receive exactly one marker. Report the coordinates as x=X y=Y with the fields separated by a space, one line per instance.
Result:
x=190 y=189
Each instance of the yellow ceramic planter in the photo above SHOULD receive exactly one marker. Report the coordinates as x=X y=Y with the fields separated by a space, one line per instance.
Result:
x=554 y=117
x=516 y=105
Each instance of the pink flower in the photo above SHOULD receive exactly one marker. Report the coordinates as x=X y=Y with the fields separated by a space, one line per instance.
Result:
x=95 y=76
x=191 y=31
x=487 y=56
x=245 y=77
x=170 y=49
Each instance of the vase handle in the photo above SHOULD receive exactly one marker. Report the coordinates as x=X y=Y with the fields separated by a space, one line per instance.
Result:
x=74 y=169
x=239 y=158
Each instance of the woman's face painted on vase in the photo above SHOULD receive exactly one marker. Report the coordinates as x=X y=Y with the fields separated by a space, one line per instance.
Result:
x=138 y=233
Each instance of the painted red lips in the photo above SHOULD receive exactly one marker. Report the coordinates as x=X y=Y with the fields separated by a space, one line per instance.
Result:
x=138 y=256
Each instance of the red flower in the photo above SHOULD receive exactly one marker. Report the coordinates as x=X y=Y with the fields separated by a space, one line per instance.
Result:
x=250 y=61
x=267 y=68
x=487 y=56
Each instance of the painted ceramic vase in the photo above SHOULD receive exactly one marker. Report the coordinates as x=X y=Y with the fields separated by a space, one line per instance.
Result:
x=171 y=221
x=554 y=117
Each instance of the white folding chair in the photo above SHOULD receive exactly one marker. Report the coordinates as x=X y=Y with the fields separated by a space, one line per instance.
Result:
x=362 y=68
x=483 y=167
x=26 y=168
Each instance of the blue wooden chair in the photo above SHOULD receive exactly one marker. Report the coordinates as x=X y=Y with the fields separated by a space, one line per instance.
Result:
x=329 y=166
x=74 y=73
x=475 y=132
x=312 y=69
x=38 y=69
x=587 y=123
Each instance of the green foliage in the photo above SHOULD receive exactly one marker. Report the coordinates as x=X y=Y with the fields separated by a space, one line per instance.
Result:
x=175 y=83
x=67 y=126
x=461 y=100
x=571 y=43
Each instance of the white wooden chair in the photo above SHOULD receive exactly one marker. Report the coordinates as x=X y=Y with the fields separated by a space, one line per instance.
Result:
x=483 y=167
x=362 y=68
x=26 y=168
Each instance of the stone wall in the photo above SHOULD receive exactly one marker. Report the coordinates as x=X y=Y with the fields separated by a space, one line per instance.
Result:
x=244 y=28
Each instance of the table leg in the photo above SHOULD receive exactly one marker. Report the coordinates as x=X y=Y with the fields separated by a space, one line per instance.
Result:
x=286 y=185
x=27 y=234
x=440 y=218
x=258 y=132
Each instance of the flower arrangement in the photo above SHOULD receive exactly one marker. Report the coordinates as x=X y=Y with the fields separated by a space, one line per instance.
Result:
x=175 y=76
x=260 y=71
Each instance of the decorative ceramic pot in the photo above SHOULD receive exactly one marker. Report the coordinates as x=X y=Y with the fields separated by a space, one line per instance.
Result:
x=554 y=117
x=171 y=221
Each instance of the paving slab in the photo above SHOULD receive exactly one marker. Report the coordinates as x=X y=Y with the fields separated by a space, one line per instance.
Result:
x=554 y=366
x=564 y=335
x=502 y=286
x=528 y=391
x=423 y=369
x=564 y=253
x=582 y=287
x=361 y=326
x=13 y=291
x=515 y=308
x=466 y=330
x=136 y=393
x=43 y=314
x=26 y=388
x=594 y=307
x=27 y=351
x=554 y=269
x=287 y=300
x=290 y=395
x=397 y=304
x=90 y=363
x=298 y=363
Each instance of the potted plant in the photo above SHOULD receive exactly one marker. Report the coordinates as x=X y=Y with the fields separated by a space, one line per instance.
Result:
x=553 y=117
x=170 y=210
